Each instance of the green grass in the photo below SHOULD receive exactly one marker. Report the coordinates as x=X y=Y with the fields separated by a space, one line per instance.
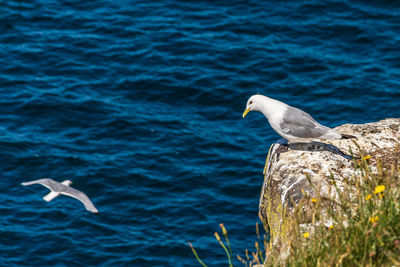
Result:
x=364 y=228
x=249 y=259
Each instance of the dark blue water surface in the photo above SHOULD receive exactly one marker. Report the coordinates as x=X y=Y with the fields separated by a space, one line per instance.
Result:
x=139 y=103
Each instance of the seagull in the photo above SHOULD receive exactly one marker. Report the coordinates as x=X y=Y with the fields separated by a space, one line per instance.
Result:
x=289 y=122
x=64 y=188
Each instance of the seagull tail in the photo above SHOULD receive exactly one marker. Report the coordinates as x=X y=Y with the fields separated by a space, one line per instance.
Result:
x=347 y=136
x=50 y=196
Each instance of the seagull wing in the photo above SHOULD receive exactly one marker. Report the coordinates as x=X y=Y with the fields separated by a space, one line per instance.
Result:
x=300 y=124
x=82 y=197
x=46 y=182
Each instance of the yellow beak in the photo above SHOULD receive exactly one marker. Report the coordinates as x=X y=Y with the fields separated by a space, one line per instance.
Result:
x=247 y=110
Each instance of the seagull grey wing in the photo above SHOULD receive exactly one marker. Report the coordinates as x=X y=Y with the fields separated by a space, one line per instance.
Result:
x=47 y=182
x=300 y=124
x=82 y=197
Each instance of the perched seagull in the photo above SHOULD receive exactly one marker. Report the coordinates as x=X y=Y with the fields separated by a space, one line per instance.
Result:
x=289 y=122
x=57 y=188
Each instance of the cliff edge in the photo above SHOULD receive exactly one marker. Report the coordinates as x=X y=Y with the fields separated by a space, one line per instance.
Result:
x=321 y=168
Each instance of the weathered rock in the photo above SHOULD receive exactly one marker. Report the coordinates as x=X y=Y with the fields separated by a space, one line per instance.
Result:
x=290 y=171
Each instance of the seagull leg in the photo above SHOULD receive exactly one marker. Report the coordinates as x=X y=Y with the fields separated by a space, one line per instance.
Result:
x=282 y=148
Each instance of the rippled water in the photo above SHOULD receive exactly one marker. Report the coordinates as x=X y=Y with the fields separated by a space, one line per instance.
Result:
x=140 y=104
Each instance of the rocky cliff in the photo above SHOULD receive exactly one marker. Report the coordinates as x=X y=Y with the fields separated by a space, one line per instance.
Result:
x=321 y=168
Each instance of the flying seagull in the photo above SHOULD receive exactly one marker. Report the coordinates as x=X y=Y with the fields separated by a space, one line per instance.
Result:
x=57 y=188
x=289 y=122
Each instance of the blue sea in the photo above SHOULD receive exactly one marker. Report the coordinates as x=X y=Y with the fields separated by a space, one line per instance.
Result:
x=139 y=104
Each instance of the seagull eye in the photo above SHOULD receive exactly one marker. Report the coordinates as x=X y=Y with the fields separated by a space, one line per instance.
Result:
x=251 y=102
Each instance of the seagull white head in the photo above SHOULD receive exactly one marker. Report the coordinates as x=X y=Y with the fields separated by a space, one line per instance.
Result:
x=67 y=182
x=253 y=104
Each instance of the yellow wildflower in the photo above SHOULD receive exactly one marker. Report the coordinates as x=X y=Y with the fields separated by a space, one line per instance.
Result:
x=381 y=195
x=224 y=232
x=368 y=197
x=330 y=226
x=379 y=189
x=374 y=219
x=314 y=200
x=306 y=235
x=217 y=236
x=367 y=157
